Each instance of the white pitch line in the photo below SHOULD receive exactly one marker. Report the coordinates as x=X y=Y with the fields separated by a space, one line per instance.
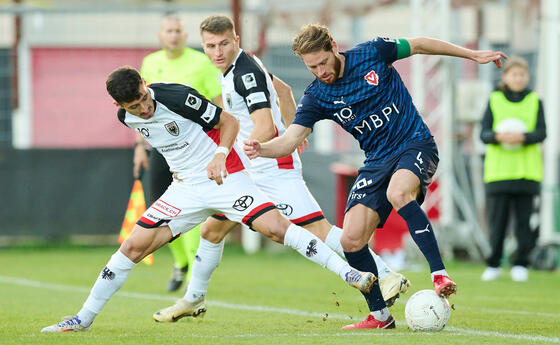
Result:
x=449 y=330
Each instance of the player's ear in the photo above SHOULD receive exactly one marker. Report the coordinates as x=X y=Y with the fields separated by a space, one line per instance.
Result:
x=117 y=104
x=334 y=47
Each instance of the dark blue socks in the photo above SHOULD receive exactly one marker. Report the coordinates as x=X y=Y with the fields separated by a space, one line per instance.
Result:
x=422 y=233
x=363 y=261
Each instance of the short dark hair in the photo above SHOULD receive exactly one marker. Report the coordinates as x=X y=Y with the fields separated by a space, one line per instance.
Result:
x=312 y=38
x=217 y=24
x=123 y=84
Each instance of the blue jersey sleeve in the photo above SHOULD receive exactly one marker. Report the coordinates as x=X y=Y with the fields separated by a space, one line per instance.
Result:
x=391 y=49
x=308 y=112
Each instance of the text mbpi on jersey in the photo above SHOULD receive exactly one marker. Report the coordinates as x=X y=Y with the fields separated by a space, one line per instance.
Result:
x=371 y=122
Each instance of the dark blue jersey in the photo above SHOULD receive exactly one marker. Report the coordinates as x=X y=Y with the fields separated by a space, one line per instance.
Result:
x=370 y=101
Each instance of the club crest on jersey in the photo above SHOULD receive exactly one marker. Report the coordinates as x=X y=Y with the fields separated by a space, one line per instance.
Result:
x=372 y=78
x=249 y=80
x=193 y=101
x=172 y=128
x=228 y=100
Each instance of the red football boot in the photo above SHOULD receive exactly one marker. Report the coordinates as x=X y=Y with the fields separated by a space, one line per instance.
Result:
x=370 y=322
x=444 y=286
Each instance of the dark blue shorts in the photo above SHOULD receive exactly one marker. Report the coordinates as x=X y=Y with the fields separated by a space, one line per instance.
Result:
x=370 y=187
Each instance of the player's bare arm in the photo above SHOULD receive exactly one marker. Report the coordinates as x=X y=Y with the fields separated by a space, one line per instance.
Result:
x=228 y=127
x=278 y=147
x=431 y=46
x=286 y=99
x=263 y=125
x=288 y=106
x=140 y=159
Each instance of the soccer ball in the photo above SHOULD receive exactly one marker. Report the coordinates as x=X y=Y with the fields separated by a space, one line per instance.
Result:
x=511 y=125
x=426 y=311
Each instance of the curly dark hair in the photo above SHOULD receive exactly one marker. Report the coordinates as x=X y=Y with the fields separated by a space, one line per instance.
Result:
x=123 y=84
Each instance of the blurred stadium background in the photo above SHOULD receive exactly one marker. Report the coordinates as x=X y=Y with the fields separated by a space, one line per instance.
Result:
x=66 y=162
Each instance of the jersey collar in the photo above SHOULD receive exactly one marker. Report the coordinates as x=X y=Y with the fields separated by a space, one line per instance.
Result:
x=233 y=63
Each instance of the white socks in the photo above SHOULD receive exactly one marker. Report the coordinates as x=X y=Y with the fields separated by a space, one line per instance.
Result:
x=207 y=258
x=311 y=247
x=333 y=241
x=111 y=278
x=381 y=315
x=439 y=273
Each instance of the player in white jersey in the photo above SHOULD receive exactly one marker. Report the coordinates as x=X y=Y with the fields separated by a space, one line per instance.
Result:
x=197 y=140
x=248 y=93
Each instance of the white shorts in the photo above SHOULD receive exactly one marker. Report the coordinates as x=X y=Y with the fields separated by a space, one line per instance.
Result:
x=183 y=206
x=287 y=189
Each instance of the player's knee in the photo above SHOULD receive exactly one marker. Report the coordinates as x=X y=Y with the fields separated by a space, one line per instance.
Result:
x=211 y=235
x=352 y=243
x=398 y=198
x=273 y=227
x=132 y=249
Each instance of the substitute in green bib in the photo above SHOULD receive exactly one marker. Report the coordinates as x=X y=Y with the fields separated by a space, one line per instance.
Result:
x=513 y=127
x=175 y=63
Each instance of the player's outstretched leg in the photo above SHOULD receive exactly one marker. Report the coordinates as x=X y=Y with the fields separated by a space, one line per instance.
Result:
x=276 y=227
x=111 y=278
x=392 y=283
x=141 y=242
x=311 y=247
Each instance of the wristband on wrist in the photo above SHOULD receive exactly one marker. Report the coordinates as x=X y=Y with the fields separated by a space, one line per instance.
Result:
x=222 y=149
x=139 y=143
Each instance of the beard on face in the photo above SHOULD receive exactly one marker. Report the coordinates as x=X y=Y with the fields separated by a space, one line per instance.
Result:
x=336 y=71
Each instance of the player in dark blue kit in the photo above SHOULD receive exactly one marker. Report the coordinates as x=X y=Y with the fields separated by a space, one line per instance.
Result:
x=361 y=91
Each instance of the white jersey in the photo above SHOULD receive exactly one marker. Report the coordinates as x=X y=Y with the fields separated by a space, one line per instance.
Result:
x=247 y=87
x=181 y=129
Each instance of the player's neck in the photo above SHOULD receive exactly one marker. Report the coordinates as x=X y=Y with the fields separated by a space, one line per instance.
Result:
x=173 y=54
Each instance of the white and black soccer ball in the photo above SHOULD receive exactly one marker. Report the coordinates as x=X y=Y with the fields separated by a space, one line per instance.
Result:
x=426 y=311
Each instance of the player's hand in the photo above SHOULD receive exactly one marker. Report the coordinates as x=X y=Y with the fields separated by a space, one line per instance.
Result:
x=140 y=160
x=486 y=56
x=303 y=146
x=216 y=169
x=252 y=148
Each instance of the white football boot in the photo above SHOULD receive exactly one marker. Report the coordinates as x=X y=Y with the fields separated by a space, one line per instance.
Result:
x=68 y=324
x=180 y=309
x=392 y=286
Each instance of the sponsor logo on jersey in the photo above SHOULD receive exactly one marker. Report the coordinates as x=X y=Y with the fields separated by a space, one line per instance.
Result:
x=249 y=80
x=372 y=78
x=242 y=203
x=144 y=131
x=193 y=101
x=228 y=100
x=375 y=121
x=286 y=209
x=344 y=115
x=172 y=128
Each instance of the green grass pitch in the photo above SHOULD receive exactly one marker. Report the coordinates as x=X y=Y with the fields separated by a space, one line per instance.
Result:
x=265 y=298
